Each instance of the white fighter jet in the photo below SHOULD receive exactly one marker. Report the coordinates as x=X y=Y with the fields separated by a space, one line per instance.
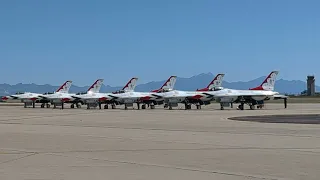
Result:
x=251 y=97
x=93 y=97
x=264 y=86
x=153 y=100
x=29 y=98
x=144 y=98
x=59 y=97
x=172 y=98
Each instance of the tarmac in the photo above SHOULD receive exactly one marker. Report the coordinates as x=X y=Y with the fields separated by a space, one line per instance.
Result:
x=80 y=144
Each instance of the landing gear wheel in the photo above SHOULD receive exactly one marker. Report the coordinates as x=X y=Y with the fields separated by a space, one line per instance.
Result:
x=106 y=106
x=42 y=105
x=143 y=106
x=221 y=108
x=240 y=106
x=252 y=107
x=152 y=106
x=78 y=106
x=72 y=106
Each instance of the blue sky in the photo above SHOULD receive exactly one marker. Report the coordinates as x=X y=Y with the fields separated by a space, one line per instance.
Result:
x=51 y=41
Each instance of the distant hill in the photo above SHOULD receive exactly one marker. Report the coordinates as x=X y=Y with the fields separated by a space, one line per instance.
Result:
x=192 y=83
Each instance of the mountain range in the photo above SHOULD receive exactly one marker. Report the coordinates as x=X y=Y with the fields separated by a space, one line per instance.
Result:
x=191 y=83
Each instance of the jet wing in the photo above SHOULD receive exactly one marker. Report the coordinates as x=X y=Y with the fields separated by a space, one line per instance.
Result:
x=43 y=97
x=14 y=97
x=158 y=96
x=113 y=96
x=208 y=95
x=280 y=96
x=76 y=97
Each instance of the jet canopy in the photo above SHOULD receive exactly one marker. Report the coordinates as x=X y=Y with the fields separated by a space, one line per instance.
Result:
x=164 y=90
x=81 y=93
x=216 y=88
x=119 y=92
x=46 y=93
x=17 y=93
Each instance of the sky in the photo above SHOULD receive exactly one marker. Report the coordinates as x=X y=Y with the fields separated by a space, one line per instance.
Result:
x=48 y=42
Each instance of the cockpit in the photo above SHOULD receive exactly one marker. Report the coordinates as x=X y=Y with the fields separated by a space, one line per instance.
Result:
x=17 y=93
x=119 y=92
x=216 y=88
x=81 y=93
x=164 y=90
x=46 y=93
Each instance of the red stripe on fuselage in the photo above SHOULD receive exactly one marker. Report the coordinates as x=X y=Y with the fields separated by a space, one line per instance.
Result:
x=197 y=97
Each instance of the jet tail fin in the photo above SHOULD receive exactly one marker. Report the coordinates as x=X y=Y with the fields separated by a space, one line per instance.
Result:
x=130 y=86
x=268 y=83
x=168 y=85
x=95 y=87
x=216 y=82
x=65 y=87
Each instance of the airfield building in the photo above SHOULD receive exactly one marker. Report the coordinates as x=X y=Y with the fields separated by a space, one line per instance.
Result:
x=311 y=87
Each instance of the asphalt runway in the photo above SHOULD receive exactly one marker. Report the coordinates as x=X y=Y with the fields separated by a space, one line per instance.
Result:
x=156 y=144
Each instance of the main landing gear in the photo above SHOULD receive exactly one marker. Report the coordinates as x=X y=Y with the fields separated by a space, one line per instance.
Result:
x=106 y=106
x=47 y=105
x=33 y=104
x=77 y=105
x=144 y=106
x=187 y=106
x=241 y=106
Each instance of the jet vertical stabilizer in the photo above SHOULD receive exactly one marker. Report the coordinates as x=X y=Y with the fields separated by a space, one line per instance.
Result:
x=65 y=87
x=168 y=85
x=268 y=83
x=96 y=86
x=130 y=86
x=216 y=82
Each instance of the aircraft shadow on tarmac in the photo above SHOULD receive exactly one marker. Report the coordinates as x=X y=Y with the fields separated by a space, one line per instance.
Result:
x=292 y=118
